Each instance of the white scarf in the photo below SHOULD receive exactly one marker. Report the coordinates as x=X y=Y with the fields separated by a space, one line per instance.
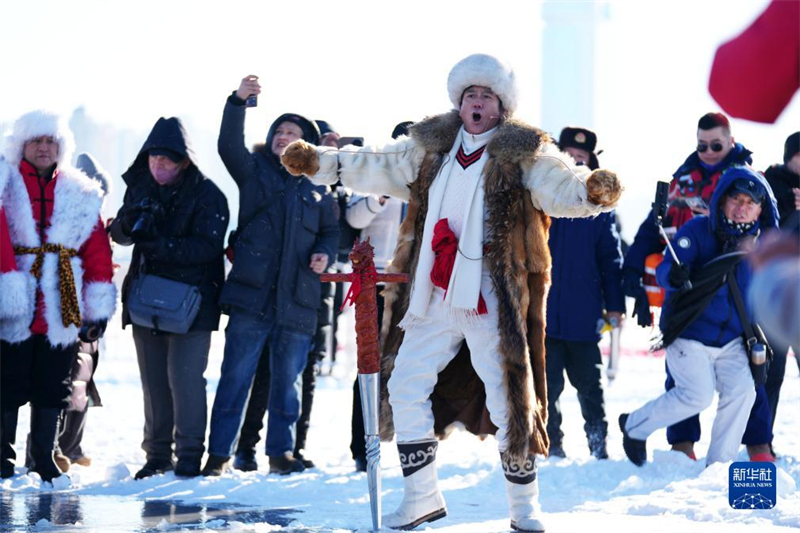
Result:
x=464 y=288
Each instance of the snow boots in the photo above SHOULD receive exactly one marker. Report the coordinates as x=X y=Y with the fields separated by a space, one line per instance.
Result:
x=216 y=465
x=635 y=449
x=285 y=464
x=422 y=499
x=522 y=489
x=153 y=467
x=245 y=460
x=187 y=467
x=596 y=438
x=8 y=436
x=44 y=427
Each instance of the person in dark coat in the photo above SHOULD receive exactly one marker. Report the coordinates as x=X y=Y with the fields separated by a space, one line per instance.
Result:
x=586 y=280
x=176 y=218
x=709 y=352
x=287 y=235
x=689 y=194
x=84 y=389
x=785 y=182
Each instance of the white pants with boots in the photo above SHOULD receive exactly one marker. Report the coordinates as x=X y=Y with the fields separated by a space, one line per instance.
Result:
x=522 y=489
x=426 y=350
x=422 y=499
x=698 y=370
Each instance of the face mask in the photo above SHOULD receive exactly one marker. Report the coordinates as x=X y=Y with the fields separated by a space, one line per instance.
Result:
x=166 y=176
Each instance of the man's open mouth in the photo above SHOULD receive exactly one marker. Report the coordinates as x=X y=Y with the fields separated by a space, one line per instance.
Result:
x=476 y=117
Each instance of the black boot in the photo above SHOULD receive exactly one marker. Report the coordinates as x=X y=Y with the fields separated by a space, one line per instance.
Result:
x=8 y=436
x=44 y=427
x=154 y=467
x=216 y=465
x=245 y=460
x=635 y=449
x=285 y=464
x=596 y=438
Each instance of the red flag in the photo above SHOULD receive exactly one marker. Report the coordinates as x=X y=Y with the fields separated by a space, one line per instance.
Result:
x=755 y=75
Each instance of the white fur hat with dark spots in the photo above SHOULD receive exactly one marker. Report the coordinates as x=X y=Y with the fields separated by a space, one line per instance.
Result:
x=37 y=124
x=486 y=71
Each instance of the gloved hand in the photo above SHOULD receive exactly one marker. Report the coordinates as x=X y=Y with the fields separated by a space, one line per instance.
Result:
x=632 y=283
x=679 y=275
x=92 y=330
x=128 y=217
x=143 y=237
x=641 y=310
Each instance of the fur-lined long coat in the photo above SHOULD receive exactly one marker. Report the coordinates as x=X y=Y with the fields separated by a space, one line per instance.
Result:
x=75 y=224
x=525 y=179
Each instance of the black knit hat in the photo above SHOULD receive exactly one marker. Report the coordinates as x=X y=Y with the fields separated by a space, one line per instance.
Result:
x=791 y=146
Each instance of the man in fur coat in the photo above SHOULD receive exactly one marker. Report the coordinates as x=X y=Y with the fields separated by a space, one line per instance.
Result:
x=480 y=187
x=64 y=268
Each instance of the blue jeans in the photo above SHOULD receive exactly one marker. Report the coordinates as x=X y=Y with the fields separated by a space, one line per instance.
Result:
x=245 y=338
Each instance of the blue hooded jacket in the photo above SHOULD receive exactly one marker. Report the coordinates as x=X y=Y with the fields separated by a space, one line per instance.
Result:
x=696 y=244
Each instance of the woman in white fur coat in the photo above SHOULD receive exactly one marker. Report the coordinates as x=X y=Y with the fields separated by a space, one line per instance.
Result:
x=480 y=187
x=63 y=280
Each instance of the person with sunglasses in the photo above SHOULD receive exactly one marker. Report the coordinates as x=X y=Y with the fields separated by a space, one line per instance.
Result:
x=689 y=193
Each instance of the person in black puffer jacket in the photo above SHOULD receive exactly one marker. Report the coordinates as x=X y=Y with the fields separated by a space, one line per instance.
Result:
x=287 y=235
x=176 y=218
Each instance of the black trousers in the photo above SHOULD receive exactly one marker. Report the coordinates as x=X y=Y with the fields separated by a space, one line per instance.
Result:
x=581 y=361
x=358 y=443
x=36 y=372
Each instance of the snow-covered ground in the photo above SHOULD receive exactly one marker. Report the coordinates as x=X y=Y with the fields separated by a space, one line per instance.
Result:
x=671 y=493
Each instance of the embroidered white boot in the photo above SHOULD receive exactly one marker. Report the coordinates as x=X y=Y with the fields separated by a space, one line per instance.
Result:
x=422 y=501
x=522 y=488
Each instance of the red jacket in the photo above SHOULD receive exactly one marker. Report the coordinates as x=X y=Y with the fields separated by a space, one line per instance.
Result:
x=95 y=253
x=64 y=213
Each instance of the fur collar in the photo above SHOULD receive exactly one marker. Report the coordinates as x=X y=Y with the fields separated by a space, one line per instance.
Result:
x=515 y=142
x=75 y=212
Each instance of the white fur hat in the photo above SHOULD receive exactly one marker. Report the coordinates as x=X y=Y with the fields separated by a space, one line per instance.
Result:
x=36 y=124
x=486 y=71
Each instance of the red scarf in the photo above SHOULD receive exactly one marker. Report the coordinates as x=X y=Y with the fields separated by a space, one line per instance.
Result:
x=445 y=246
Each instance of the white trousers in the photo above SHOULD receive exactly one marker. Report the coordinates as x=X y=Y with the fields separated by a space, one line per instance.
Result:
x=427 y=349
x=698 y=370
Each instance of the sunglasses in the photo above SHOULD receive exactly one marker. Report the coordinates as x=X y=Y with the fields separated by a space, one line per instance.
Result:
x=702 y=147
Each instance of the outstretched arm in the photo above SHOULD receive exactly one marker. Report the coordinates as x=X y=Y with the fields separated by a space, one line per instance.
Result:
x=388 y=170
x=561 y=189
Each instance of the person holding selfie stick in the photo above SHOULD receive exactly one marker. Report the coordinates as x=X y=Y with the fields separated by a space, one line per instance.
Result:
x=689 y=195
x=718 y=347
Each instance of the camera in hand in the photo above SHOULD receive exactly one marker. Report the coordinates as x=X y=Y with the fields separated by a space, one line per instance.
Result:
x=144 y=229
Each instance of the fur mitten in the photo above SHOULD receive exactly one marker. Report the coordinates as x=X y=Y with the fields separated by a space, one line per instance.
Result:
x=603 y=187
x=300 y=158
